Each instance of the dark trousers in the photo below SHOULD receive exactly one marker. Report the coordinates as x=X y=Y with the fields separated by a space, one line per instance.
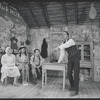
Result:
x=74 y=65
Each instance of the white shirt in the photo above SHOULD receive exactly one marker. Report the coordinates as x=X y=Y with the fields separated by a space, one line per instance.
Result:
x=68 y=44
x=8 y=60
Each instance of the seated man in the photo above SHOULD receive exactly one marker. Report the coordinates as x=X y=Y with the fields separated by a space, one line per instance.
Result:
x=8 y=66
x=36 y=62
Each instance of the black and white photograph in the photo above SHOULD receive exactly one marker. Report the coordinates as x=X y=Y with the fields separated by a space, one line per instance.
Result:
x=49 y=49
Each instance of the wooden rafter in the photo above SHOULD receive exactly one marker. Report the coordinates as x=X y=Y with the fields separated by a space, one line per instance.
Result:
x=65 y=12
x=76 y=12
x=33 y=14
x=44 y=10
x=17 y=7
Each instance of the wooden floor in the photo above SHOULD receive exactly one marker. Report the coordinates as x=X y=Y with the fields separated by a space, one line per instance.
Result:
x=53 y=89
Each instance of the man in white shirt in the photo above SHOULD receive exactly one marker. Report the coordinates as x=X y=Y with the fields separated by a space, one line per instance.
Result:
x=73 y=62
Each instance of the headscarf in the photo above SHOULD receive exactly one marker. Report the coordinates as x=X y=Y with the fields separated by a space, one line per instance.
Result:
x=7 y=49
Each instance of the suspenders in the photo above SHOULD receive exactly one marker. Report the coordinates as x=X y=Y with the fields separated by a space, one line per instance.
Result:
x=34 y=60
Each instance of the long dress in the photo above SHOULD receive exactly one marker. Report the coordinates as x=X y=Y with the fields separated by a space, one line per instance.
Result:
x=8 y=67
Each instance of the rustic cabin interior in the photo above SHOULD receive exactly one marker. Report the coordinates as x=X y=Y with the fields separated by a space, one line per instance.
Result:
x=29 y=23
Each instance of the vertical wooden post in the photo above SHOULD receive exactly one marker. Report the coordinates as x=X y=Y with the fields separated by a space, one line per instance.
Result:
x=45 y=77
x=42 y=77
x=92 y=47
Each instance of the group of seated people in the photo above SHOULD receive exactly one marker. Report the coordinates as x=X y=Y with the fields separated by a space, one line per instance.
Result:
x=16 y=66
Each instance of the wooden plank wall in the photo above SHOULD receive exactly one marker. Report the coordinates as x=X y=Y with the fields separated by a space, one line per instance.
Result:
x=57 y=17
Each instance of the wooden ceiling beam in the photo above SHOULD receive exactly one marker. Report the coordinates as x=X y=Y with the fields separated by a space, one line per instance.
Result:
x=45 y=13
x=76 y=12
x=33 y=14
x=17 y=7
x=65 y=12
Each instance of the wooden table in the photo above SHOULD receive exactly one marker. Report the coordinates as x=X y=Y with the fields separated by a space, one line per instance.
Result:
x=52 y=66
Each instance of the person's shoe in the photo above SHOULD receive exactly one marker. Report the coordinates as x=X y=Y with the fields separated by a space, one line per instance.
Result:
x=71 y=89
x=25 y=84
x=73 y=93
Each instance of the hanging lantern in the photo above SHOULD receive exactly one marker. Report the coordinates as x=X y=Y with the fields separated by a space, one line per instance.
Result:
x=27 y=42
x=92 y=12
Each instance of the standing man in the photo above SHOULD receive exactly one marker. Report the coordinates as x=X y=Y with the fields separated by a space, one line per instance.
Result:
x=73 y=62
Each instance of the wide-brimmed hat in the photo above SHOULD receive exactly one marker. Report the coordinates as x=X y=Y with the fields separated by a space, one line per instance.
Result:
x=22 y=46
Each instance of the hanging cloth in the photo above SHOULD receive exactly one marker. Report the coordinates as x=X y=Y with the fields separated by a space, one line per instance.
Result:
x=27 y=42
x=44 y=47
x=92 y=12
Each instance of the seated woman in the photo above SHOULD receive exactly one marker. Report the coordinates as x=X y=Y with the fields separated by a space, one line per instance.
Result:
x=22 y=61
x=36 y=62
x=8 y=68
